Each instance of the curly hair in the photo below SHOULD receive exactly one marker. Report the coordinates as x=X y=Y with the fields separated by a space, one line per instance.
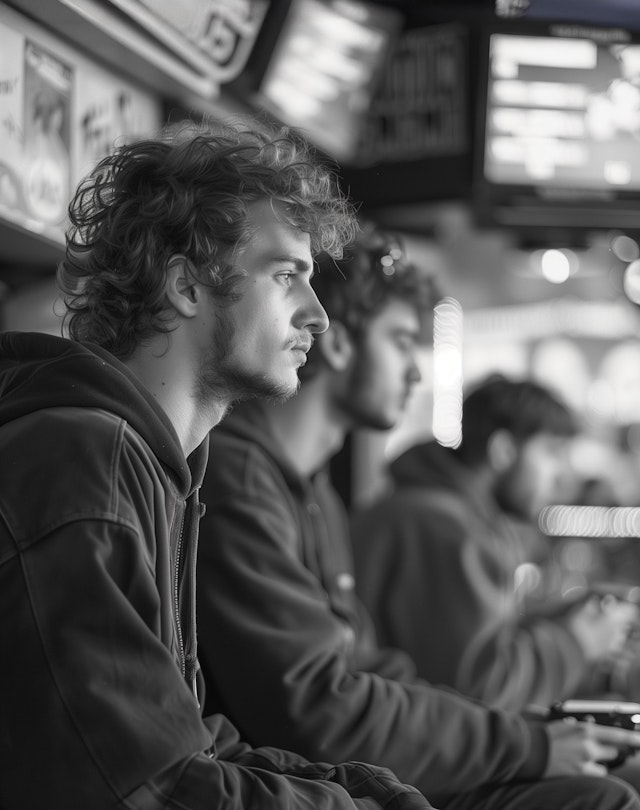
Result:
x=373 y=270
x=185 y=193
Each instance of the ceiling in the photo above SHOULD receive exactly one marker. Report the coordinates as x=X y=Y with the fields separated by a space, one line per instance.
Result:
x=482 y=265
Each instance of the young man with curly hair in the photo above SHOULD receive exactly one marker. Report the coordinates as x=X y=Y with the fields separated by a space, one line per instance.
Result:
x=286 y=650
x=187 y=286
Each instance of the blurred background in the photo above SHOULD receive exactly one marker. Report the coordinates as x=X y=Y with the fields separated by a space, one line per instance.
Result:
x=501 y=138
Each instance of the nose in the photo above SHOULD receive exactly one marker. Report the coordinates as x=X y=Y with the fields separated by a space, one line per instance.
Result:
x=316 y=319
x=413 y=373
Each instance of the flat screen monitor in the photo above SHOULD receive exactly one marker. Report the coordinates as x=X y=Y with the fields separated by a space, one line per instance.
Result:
x=598 y=12
x=559 y=128
x=324 y=67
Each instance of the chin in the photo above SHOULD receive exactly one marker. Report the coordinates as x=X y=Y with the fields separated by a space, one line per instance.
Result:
x=387 y=421
x=282 y=390
x=379 y=422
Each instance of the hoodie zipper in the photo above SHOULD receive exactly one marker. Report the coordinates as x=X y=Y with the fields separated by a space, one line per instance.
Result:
x=176 y=599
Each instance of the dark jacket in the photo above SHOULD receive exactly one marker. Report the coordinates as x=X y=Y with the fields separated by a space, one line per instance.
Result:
x=289 y=655
x=98 y=523
x=436 y=561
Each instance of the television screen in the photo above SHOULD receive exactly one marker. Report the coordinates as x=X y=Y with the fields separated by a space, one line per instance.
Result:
x=599 y=12
x=324 y=67
x=560 y=128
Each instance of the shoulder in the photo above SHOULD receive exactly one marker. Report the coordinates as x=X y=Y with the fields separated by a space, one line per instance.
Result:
x=64 y=464
x=238 y=465
x=415 y=514
x=416 y=502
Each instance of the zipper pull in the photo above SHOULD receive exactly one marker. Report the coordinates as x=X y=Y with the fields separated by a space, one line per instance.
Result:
x=192 y=665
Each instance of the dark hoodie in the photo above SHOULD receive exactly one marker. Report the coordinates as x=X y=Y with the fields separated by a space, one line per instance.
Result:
x=435 y=564
x=287 y=651
x=98 y=526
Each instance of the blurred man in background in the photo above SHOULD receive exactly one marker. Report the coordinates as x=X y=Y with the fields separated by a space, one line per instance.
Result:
x=437 y=558
x=286 y=650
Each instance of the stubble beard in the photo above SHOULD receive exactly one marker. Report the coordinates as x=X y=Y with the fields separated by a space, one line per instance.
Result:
x=354 y=402
x=509 y=498
x=219 y=375
x=242 y=385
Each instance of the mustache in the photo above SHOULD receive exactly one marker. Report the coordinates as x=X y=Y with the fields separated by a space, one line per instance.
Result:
x=303 y=343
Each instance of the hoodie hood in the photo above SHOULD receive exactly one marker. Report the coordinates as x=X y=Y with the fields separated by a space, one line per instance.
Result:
x=431 y=466
x=427 y=464
x=250 y=421
x=39 y=371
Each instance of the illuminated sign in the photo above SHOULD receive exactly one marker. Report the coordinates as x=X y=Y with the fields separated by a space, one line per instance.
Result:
x=214 y=36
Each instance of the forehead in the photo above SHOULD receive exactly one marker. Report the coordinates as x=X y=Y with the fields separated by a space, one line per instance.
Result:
x=270 y=231
x=396 y=315
x=545 y=443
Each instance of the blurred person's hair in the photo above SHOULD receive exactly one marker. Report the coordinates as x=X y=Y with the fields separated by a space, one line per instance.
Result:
x=373 y=270
x=185 y=193
x=522 y=407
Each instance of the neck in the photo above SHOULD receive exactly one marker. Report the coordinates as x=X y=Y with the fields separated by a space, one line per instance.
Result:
x=484 y=480
x=308 y=429
x=172 y=383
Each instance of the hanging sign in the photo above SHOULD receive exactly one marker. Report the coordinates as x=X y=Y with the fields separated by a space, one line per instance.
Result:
x=35 y=112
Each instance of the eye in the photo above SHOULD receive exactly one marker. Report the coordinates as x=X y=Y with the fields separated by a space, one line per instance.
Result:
x=286 y=276
x=406 y=343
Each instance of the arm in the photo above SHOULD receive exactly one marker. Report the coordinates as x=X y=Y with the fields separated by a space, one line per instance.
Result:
x=104 y=711
x=440 y=586
x=281 y=663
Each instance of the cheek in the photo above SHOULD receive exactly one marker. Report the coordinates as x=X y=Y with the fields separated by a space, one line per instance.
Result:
x=263 y=322
x=544 y=485
x=380 y=374
x=387 y=365
x=522 y=485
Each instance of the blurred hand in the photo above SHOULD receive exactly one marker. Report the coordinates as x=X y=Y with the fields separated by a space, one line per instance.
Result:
x=624 y=673
x=631 y=647
x=602 y=624
x=578 y=748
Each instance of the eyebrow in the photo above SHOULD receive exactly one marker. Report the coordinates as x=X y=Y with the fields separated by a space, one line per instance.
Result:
x=300 y=264
x=406 y=330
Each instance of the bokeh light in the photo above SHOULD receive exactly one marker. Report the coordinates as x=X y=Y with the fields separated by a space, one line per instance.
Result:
x=625 y=248
x=555 y=266
x=447 y=372
x=631 y=281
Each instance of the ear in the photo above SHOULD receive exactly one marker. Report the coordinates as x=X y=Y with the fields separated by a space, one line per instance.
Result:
x=336 y=346
x=182 y=289
x=502 y=450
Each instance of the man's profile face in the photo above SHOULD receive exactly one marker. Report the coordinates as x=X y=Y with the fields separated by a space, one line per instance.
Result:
x=384 y=369
x=257 y=344
x=538 y=477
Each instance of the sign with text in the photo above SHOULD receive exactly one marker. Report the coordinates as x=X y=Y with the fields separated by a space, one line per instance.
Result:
x=420 y=108
x=59 y=114
x=35 y=98
x=108 y=112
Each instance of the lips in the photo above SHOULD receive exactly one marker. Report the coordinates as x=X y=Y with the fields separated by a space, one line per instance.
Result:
x=302 y=346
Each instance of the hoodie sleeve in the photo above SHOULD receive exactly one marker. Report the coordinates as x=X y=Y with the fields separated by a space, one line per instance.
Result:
x=280 y=662
x=442 y=591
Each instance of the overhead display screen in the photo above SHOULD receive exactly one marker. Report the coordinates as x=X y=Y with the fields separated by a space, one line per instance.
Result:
x=598 y=12
x=324 y=69
x=562 y=112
